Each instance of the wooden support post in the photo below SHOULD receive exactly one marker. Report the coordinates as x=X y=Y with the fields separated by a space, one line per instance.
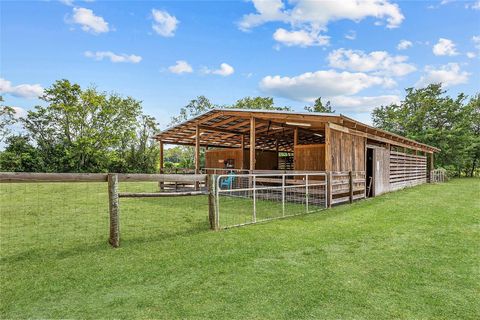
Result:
x=212 y=202
x=252 y=144
x=328 y=154
x=197 y=154
x=350 y=177
x=329 y=189
x=114 y=209
x=295 y=143
x=295 y=137
x=431 y=168
x=242 y=147
x=276 y=151
x=161 y=184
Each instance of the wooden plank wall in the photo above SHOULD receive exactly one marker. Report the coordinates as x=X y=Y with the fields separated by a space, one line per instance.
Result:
x=215 y=158
x=340 y=186
x=266 y=160
x=309 y=157
x=382 y=170
x=407 y=170
x=347 y=151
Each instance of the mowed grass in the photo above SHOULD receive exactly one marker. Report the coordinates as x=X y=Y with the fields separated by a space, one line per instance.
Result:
x=412 y=254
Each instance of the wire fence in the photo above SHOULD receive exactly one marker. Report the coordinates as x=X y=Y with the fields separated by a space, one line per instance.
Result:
x=62 y=215
x=63 y=212
x=249 y=198
x=438 y=175
x=52 y=211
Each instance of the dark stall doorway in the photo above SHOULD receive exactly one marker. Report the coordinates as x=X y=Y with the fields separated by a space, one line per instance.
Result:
x=370 y=183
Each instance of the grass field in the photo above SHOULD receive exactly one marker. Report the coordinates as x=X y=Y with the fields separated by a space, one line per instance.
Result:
x=412 y=254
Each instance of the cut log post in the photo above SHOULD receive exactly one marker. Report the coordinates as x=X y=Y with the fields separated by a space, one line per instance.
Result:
x=114 y=208
x=212 y=203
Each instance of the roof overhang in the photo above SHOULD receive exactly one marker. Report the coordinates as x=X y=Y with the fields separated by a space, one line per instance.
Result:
x=228 y=127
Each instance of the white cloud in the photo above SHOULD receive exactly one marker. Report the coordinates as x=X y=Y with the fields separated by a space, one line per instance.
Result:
x=444 y=47
x=476 y=43
x=268 y=11
x=475 y=5
x=21 y=90
x=404 y=44
x=351 y=35
x=224 y=70
x=471 y=55
x=165 y=24
x=100 y=55
x=67 y=2
x=324 y=83
x=89 y=21
x=313 y=17
x=300 y=38
x=180 y=67
x=361 y=104
x=449 y=75
x=379 y=62
x=19 y=112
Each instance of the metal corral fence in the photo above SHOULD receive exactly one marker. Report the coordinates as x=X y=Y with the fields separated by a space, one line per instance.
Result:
x=71 y=208
x=438 y=175
x=242 y=199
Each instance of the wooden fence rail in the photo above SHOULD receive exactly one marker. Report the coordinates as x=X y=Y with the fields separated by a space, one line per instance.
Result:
x=341 y=187
x=25 y=177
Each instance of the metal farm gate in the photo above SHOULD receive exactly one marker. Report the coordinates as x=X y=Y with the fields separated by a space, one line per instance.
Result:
x=250 y=198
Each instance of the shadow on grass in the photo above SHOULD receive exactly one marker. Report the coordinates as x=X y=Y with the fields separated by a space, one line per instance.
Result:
x=59 y=253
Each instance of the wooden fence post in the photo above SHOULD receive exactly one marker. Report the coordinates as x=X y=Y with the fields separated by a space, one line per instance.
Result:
x=350 y=176
x=329 y=189
x=114 y=208
x=212 y=202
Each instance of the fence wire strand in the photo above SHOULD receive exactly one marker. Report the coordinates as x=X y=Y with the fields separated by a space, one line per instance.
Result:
x=250 y=198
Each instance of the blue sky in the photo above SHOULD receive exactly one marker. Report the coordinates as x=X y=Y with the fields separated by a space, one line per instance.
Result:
x=358 y=54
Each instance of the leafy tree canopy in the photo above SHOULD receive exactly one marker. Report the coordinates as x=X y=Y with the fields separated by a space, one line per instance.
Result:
x=318 y=106
x=430 y=116
x=85 y=130
x=7 y=119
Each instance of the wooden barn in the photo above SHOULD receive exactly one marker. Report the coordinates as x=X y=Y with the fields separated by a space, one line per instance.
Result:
x=299 y=141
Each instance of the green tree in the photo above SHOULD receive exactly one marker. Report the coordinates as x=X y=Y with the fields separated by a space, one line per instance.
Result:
x=430 y=116
x=194 y=108
x=142 y=153
x=7 y=119
x=20 y=156
x=257 y=103
x=318 y=106
x=86 y=131
x=81 y=130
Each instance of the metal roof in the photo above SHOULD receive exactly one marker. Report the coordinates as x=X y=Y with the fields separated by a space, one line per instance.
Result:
x=227 y=128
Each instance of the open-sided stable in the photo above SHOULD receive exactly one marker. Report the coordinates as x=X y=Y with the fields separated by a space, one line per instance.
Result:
x=299 y=141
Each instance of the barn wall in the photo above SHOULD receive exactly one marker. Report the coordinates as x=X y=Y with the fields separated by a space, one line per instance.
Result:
x=309 y=157
x=266 y=160
x=215 y=158
x=407 y=170
x=381 y=169
x=345 y=151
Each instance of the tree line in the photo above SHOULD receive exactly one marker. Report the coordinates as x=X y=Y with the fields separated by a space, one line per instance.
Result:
x=87 y=130
x=430 y=116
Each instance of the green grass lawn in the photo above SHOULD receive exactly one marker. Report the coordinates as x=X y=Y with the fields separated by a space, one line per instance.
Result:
x=412 y=254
